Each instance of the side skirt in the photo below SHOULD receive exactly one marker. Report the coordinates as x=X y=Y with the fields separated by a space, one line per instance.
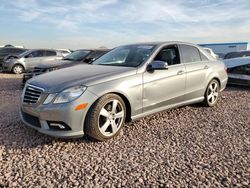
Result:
x=196 y=100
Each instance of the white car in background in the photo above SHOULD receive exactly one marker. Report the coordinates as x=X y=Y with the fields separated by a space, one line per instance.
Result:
x=211 y=52
x=65 y=52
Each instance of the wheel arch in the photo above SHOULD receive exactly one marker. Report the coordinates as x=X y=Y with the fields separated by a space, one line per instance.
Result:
x=128 y=105
x=217 y=79
x=124 y=98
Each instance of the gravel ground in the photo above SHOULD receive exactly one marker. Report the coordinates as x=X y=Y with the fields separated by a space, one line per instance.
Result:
x=188 y=146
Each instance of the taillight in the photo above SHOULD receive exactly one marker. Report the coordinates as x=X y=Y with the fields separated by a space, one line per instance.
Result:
x=225 y=68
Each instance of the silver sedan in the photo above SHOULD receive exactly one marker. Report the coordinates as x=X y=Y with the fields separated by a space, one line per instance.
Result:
x=125 y=84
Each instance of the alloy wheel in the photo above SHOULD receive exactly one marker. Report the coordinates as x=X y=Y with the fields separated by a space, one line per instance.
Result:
x=18 y=69
x=111 y=118
x=213 y=92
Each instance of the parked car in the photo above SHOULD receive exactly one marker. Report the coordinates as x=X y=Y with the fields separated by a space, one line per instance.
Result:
x=64 y=52
x=211 y=52
x=75 y=58
x=125 y=84
x=29 y=59
x=238 y=71
x=232 y=55
x=5 y=51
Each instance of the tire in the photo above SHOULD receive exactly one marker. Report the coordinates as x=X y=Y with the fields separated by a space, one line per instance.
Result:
x=18 y=69
x=212 y=93
x=105 y=118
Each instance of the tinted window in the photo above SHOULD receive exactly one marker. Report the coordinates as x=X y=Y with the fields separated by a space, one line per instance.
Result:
x=37 y=53
x=77 y=55
x=169 y=54
x=97 y=54
x=190 y=54
x=17 y=50
x=231 y=55
x=245 y=54
x=50 y=53
x=4 y=51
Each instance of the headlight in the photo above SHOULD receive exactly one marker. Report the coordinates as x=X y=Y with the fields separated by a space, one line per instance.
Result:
x=66 y=95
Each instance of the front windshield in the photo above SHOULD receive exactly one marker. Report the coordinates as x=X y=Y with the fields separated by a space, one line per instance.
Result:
x=77 y=55
x=128 y=56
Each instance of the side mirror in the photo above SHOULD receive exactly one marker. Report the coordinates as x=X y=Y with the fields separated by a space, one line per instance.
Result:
x=89 y=60
x=157 y=65
x=29 y=56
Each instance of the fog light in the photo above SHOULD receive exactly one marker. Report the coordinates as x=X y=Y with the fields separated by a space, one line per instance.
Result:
x=58 y=125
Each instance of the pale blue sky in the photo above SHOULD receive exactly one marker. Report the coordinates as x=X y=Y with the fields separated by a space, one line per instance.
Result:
x=89 y=24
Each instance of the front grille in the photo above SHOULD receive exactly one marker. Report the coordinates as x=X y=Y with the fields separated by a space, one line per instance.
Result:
x=32 y=94
x=31 y=119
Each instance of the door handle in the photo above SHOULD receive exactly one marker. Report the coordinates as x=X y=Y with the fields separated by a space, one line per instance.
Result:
x=206 y=67
x=180 y=72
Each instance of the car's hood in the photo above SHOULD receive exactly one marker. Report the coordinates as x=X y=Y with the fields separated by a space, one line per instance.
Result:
x=83 y=74
x=234 y=62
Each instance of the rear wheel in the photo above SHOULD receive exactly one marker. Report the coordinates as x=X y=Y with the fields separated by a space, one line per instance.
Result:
x=212 y=93
x=106 y=117
x=18 y=69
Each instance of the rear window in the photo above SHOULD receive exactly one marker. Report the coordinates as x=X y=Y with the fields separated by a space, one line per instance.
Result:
x=190 y=54
x=50 y=53
x=97 y=54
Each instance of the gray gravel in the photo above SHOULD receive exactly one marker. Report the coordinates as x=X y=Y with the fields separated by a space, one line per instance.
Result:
x=188 y=146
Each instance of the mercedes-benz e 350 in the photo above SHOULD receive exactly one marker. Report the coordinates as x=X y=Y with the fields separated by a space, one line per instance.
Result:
x=127 y=83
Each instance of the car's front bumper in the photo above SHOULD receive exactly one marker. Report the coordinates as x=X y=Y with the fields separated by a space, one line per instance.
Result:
x=39 y=117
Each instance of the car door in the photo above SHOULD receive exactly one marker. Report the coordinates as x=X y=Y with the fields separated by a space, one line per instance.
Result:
x=197 y=65
x=33 y=59
x=163 y=88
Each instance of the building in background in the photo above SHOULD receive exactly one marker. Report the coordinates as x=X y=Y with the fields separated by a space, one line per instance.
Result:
x=224 y=48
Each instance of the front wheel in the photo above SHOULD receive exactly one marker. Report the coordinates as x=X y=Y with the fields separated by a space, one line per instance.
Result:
x=212 y=93
x=106 y=117
x=18 y=69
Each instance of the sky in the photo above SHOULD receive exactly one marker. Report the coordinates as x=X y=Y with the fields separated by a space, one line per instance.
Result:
x=94 y=23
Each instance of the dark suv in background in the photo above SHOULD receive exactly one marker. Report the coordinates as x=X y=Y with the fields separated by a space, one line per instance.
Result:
x=75 y=58
x=6 y=51
x=232 y=55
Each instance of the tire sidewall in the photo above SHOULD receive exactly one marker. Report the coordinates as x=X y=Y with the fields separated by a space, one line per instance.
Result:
x=92 y=120
x=206 y=94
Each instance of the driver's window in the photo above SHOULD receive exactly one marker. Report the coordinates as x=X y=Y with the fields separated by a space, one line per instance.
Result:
x=169 y=54
x=38 y=53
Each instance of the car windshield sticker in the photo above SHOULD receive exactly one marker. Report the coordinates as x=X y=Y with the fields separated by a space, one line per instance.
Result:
x=145 y=47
